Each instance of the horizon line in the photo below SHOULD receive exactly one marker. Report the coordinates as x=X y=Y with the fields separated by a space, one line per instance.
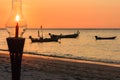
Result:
x=77 y=28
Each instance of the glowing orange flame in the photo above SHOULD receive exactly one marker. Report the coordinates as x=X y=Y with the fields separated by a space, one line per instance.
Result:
x=17 y=18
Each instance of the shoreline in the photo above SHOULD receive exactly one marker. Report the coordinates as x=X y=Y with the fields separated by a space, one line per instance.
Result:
x=51 y=68
x=66 y=59
x=71 y=58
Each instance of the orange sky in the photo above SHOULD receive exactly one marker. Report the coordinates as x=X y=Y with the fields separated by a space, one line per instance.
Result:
x=66 y=13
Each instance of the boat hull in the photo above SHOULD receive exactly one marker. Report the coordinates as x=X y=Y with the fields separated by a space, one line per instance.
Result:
x=75 y=35
x=44 y=39
x=105 y=38
x=65 y=36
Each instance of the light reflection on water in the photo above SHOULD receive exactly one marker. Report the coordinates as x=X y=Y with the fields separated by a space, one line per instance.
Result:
x=83 y=47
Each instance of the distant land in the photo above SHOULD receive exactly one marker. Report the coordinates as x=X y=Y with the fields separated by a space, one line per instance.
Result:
x=79 y=28
x=73 y=28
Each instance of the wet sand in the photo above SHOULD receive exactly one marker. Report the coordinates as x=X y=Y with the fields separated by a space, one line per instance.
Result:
x=51 y=68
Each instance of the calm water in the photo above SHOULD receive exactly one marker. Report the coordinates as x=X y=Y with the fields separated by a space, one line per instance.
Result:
x=83 y=47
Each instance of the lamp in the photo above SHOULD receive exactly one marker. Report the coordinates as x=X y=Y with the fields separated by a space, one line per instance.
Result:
x=15 y=27
x=16 y=17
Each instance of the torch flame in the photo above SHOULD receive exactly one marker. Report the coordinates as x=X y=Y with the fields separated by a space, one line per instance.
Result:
x=17 y=18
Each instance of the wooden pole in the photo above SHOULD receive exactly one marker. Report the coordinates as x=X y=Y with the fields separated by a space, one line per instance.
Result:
x=16 y=46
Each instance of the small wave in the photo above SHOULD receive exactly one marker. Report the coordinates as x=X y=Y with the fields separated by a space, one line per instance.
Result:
x=69 y=56
x=3 y=49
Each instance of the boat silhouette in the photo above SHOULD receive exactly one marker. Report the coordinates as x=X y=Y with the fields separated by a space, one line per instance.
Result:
x=105 y=38
x=74 y=35
x=42 y=39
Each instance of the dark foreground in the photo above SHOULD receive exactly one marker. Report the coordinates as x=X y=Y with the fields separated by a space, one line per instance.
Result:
x=49 y=68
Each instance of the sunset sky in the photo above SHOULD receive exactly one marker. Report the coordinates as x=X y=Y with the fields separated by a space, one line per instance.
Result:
x=66 y=13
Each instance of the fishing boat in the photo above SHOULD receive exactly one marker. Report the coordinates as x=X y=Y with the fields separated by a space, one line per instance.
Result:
x=105 y=38
x=55 y=39
x=42 y=39
x=75 y=35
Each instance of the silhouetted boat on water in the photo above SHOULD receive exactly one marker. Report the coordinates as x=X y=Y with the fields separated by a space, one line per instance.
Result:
x=41 y=39
x=105 y=38
x=75 y=35
x=44 y=39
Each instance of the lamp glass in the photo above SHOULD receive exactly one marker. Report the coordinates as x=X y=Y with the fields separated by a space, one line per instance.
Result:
x=16 y=17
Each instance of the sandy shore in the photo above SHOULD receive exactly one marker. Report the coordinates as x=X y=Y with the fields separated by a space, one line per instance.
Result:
x=50 y=68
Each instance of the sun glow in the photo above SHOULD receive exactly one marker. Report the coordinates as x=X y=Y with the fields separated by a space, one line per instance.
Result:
x=71 y=14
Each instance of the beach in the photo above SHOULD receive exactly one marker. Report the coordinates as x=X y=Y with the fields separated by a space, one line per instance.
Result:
x=51 y=68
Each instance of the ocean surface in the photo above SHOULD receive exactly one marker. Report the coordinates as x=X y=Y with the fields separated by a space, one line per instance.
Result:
x=84 y=47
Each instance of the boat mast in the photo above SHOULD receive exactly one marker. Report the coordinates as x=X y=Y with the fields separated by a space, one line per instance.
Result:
x=38 y=33
x=41 y=32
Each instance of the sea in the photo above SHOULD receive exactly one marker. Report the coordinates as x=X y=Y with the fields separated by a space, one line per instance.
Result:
x=84 y=47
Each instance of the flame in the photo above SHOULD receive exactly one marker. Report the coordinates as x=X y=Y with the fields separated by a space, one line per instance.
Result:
x=17 y=18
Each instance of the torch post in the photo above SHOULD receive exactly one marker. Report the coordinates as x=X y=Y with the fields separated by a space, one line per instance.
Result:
x=15 y=42
x=15 y=46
